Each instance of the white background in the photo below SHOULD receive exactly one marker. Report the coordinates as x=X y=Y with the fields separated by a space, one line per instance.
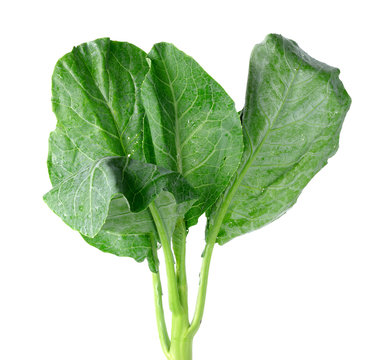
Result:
x=303 y=288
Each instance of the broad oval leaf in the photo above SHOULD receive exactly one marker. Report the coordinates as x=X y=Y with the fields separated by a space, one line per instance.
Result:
x=83 y=199
x=96 y=98
x=294 y=110
x=193 y=125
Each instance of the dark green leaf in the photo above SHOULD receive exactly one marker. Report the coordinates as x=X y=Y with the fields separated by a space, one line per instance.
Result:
x=193 y=125
x=96 y=98
x=293 y=114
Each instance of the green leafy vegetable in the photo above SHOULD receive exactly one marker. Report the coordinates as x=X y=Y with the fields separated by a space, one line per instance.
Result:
x=194 y=125
x=96 y=98
x=82 y=200
x=126 y=233
x=293 y=114
x=145 y=144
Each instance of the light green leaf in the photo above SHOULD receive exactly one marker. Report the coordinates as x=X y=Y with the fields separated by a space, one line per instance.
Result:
x=294 y=110
x=92 y=152
x=126 y=233
x=193 y=125
x=96 y=97
x=82 y=200
x=64 y=157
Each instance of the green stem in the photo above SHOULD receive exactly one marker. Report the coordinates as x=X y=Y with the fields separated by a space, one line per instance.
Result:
x=182 y=350
x=179 y=246
x=211 y=241
x=181 y=344
x=159 y=307
x=174 y=302
x=160 y=316
x=201 y=298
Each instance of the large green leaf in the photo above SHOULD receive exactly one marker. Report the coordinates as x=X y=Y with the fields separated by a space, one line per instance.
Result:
x=293 y=114
x=94 y=150
x=82 y=200
x=124 y=233
x=192 y=123
x=96 y=97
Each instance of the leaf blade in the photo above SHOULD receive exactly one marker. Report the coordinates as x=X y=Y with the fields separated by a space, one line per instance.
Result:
x=96 y=99
x=83 y=199
x=194 y=126
x=126 y=233
x=282 y=152
x=96 y=96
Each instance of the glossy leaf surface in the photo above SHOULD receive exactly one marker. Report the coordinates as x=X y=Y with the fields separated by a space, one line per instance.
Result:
x=194 y=127
x=126 y=233
x=96 y=97
x=94 y=151
x=294 y=110
x=82 y=200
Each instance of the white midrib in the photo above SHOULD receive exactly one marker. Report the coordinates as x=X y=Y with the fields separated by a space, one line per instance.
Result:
x=239 y=176
x=176 y=118
x=106 y=101
x=260 y=145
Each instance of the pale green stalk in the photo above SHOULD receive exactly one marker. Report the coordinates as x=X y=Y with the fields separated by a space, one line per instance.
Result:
x=211 y=241
x=180 y=347
x=159 y=308
x=179 y=245
x=160 y=316
x=174 y=303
